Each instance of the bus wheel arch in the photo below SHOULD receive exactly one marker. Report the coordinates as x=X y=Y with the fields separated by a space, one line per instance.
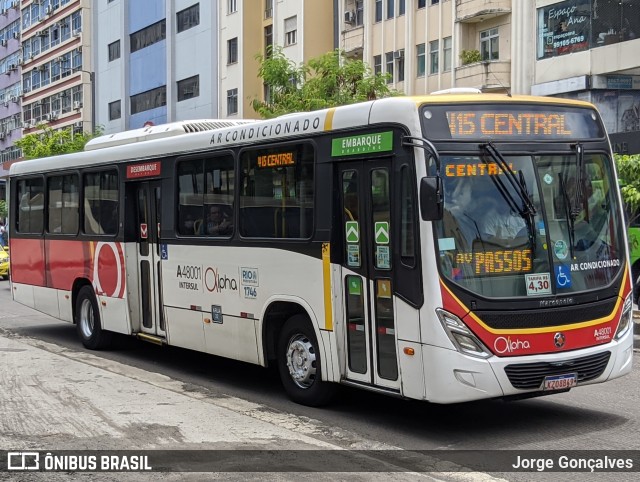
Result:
x=86 y=316
x=300 y=363
x=635 y=280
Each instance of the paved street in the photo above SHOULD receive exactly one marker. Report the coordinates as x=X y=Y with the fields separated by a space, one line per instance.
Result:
x=58 y=396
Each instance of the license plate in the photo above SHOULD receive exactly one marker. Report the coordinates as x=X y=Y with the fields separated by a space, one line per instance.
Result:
x=560 y=382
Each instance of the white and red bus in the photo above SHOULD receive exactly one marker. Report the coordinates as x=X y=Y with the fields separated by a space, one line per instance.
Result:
x=446 y=248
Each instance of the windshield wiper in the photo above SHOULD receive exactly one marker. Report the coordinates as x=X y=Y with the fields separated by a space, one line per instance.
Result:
x=519 y=186
x=577 y=197
x=568 y=212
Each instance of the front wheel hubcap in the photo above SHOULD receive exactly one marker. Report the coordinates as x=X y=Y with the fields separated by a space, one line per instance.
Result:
x=301 y=360
x=87 y=319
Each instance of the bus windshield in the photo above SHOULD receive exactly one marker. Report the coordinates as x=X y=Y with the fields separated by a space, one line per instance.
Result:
x=539 y=225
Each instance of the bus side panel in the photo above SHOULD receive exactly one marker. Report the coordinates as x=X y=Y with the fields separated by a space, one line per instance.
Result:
x=27 y=261
x=101 y=262
x=46 y=301
x=64 y=305
x=114 y=314
x=185 y=328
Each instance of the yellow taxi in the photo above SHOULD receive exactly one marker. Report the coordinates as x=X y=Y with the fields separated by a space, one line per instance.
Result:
x=4 y=263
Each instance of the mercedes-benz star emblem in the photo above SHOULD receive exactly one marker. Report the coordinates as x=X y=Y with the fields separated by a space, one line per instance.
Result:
x=559 y=340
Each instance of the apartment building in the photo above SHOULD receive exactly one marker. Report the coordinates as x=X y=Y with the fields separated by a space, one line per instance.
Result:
x=46 y=61
x=303 y=29
x=155 y=62
x=10 y=81
x=583 y=49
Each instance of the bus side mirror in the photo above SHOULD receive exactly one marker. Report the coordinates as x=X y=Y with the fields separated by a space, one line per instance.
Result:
x=431 y=205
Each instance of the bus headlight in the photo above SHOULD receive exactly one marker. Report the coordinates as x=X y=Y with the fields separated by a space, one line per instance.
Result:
x=462 y=338
x=625 y=318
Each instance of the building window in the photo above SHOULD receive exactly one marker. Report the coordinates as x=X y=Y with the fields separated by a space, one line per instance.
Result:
x=290 y=30
x=114 y=50
x=232 y=102
x=232 y=51
x=268 y=9
x=232 y=6
x=401 y=7
x=189 y=17
x=378 y=10
x=114 y=110
x=489 y=44
x=377 y=64
x=434 y=56
x=359 y=13
x=421 y=60
x=435 y=2
x=148 y=35
x=400 y=65
x=388 y=58
x=446 y=54
x=189 y=88
x=149 y=100
x=268 y=40
x=390 y=8
x=422 y=3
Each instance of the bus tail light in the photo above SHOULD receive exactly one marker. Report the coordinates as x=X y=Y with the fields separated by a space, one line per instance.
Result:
x=462 y=338
x=625 y=318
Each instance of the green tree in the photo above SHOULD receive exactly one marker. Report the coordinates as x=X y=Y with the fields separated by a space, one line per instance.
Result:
x=3 y=208
x=629 y=174
x=326 y=81
x=49 y=142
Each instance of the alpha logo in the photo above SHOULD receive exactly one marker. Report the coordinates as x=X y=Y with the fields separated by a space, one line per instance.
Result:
x=559 y=339
x=215 y=282
x=507 y=345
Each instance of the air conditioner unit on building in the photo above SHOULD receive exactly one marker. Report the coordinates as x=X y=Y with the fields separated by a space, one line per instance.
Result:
x=77 y=125
x=20 y=61
x=3 y=42
x=3 y=134
x=60 y=59
x=46 y=117
x=54 y=115
x=5 y=102
x=4 y=12
x=14 y=98
x=398 y=54
x=26 y=125
x=350 y=17
x=77 y=104
x=49 y=9
x=16 y=35
x=15 y=4
x=12 y=67
x=77 y=32
x=42 y=67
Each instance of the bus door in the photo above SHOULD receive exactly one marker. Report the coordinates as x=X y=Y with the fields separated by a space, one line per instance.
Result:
x=370 y=337
x=147 y=235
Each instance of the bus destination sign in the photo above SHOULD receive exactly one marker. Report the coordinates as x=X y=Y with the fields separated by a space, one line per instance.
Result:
x=280 y=159
x=514 y=122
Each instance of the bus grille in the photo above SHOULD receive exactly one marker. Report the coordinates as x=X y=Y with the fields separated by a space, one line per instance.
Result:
x=531 y=375
x=542 y=317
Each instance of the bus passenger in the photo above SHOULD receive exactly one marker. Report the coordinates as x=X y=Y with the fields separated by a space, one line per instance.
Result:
x=217 y=223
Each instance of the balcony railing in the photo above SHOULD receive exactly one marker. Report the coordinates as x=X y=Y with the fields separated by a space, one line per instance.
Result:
x=486 y=76
x=479 y=10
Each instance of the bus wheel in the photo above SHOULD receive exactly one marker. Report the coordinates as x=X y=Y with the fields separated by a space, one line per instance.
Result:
x=300 y=364
x=88 y=321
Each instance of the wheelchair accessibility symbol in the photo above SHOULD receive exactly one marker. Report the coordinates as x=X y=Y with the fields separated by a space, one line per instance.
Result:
x=563 y=276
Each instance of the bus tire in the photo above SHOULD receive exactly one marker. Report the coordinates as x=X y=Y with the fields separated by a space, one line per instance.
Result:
x=88 y=321
x=300 y=364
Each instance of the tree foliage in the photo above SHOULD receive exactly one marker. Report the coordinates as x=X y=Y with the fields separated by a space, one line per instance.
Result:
x=629 y=174
x=49 y=142
x=326 y=81
x=3 y=208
